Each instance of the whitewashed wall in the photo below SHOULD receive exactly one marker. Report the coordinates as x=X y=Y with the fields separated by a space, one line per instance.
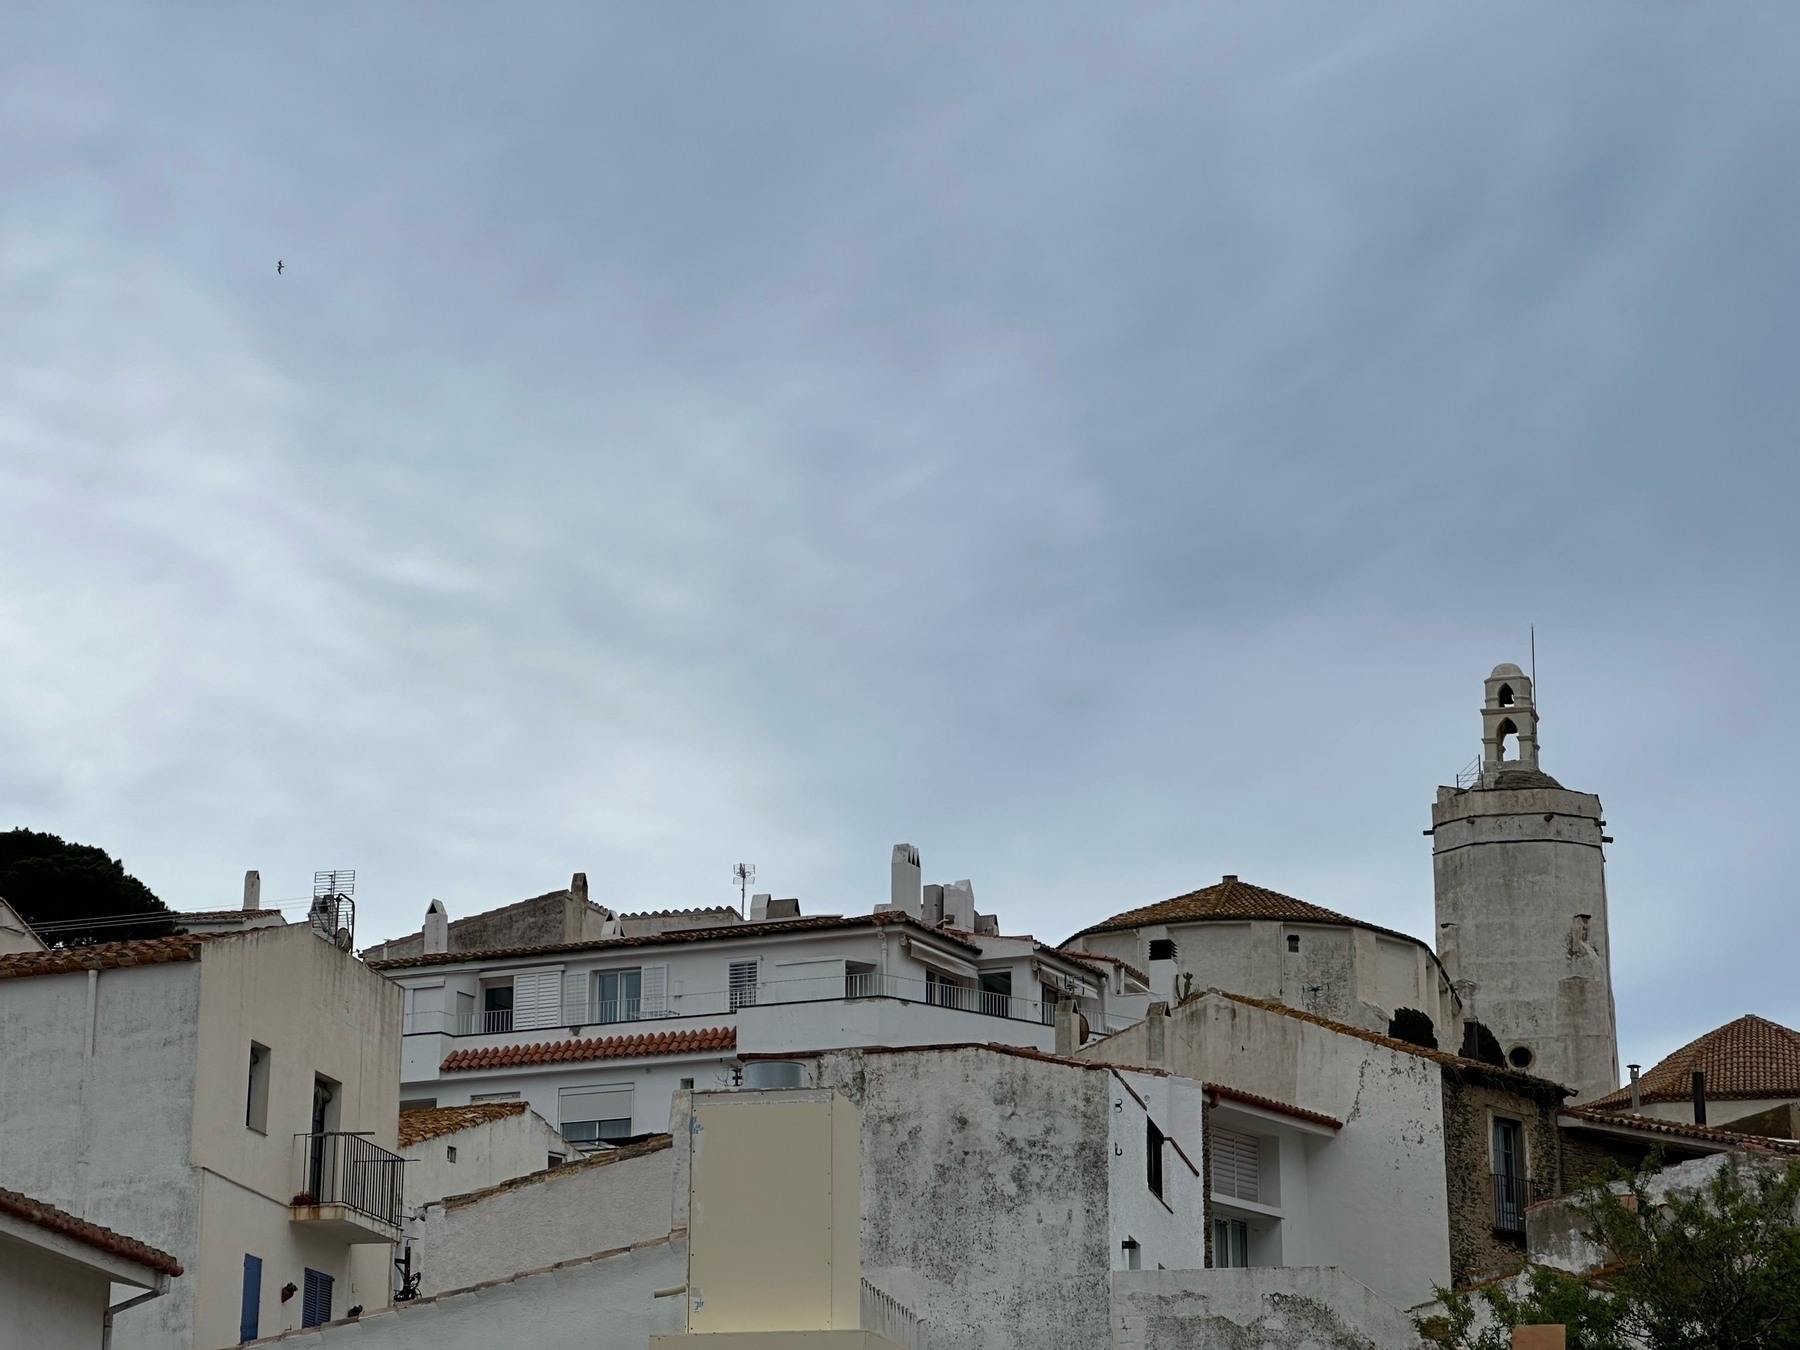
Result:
x=486 y=1155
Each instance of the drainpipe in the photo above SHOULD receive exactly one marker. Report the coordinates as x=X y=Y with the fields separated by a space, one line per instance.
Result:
x=106 y=1325
x=87 y=1073
x=1637 y=1101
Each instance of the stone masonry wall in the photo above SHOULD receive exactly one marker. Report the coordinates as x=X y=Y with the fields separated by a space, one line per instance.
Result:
x=1476 y=1250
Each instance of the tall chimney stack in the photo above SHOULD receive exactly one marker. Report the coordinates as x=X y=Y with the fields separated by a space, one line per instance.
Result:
x=253 y=889
x=904 y=892
x=1699 y=1096
x=1637 y=1100
x=437 y=927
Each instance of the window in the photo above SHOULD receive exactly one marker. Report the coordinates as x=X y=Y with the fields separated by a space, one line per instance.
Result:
x=688 y=1083
x=1293 y=942
x=1231 y=1244
x=1162 y=949
x=1509 y=1175
x=419 y=1104
x=996 y=992
x=475 y=1097
x=250 y=1307
x=620 y=994
x=556 y=1160
x=324 y=1121
x=742 y=984
x=315 y=1302
x=592 y=1115
x=940 y=989
x=1519 y=1057
x=1505 y=697
x=496 y=1007
x=256 y=1100
x=1237 y=1165
x=449 y=1152
x=1134 y=1254
x=1153 y=1157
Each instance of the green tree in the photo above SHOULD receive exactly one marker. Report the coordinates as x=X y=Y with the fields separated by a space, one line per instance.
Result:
x=80 y=892
x=1712 y=1268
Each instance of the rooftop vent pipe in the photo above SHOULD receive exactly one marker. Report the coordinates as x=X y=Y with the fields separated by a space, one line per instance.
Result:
x=1637 y=1100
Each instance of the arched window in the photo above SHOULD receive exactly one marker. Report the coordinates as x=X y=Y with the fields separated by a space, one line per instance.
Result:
x=1505 y=697
x=1507 y=731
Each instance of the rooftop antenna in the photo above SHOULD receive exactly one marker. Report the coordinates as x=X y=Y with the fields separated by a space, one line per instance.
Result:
x=333 y=911
x=1535 y=700
x=745 y=876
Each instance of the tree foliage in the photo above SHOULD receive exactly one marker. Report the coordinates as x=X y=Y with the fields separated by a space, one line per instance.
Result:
x=50 y=881
x=1712 y=1268
x=1413 y=1027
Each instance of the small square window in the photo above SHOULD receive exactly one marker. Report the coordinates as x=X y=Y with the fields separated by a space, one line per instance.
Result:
x=450 y=1153
x=1293 y=942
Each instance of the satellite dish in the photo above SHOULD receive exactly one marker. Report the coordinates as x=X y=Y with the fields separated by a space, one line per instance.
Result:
x=342 y=939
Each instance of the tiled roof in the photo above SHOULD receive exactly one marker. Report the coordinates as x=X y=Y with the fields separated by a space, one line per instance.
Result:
x=92 y=1234
x=595 y=1047
x=1123 y=964
x=102 y=956
x=1612 y=1120
x=418 y=1126
x=1743 y=1060
x=1231 y=899
x=1270 y=1104
x=677 y=913
x=217 y=915
x=681 y=935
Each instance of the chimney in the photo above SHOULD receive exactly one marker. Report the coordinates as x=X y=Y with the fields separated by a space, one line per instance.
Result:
x=437 y=927
x=759 y=908
x=904 y=894
x=1699 y=1096
x=1637 y=1101
x=578 y=887
x=959 y=905
x=1067 y=1034
x=1156 y=1020
x=253 y=889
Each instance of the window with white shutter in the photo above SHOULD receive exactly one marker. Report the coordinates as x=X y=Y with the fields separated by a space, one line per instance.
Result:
x=592 y=1114
x=742 y=984
x=537 y=999
x=653 y=996
x=1237 y=1165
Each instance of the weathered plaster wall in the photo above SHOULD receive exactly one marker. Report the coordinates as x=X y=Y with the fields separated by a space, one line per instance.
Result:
x=49 y=1302
x=985 y=1182
x=609 y=1201
x=1308 y=1308
x=1170 y=1229
x=1513 y=868
x=486 y=1155
x=1378 y=1204
x=107 y=1136
x=1477 y=1252
x=604 y=1303
x=1720 y=1112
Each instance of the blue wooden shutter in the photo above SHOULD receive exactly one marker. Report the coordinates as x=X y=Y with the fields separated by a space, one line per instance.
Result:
x=315 y=1306
x=250 y=1310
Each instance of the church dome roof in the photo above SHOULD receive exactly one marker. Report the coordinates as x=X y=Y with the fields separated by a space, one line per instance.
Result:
x=1227 y=901
x=1743 y=1060
x=1505 y=669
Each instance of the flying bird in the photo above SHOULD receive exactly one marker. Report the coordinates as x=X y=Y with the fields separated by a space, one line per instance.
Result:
x=278 y=267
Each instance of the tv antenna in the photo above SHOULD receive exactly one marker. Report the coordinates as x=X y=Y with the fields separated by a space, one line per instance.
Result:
x=333 y=911
x=744 y=874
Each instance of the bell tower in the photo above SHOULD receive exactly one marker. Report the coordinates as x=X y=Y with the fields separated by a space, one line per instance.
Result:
x=1519 y=873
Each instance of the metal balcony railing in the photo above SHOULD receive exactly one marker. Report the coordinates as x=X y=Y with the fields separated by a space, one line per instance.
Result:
x=1511 y=1195
x=350 y=1170
x=711 y=1003
x=890 y=1319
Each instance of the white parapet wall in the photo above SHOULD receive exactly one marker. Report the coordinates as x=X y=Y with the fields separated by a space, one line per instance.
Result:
x=1271 y=1308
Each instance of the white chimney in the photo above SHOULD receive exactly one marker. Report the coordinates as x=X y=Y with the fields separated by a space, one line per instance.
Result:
x=959 y=905
x=437 y=927
x=253 y=889
x=759 y=907
x=905 y=893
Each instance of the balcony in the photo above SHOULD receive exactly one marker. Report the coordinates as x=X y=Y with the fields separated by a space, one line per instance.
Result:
x=351 y=1188
x=1511 y=1195
x=569 y=1014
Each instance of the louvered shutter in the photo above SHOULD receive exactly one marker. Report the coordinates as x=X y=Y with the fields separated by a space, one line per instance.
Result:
x=1237 y=1165
x=537 y=999
x=315 y=1303
x=653 y=991
x=575 y=997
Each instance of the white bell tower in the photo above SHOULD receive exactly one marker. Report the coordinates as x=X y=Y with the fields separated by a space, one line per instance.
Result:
x=1519 y=872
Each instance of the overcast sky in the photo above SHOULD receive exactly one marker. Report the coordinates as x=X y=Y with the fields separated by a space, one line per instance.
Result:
x=1105 y=446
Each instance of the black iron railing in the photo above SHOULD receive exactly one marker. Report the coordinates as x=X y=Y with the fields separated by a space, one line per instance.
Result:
x=1511 y=1195
x=349 y=1170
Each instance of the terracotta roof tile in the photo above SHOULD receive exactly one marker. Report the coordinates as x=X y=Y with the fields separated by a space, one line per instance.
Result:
x=56 y=1220
x=1743 y=1060
x=1270 y=1104
x=682 y=935
x=215 y=915
x=595 y=1047
x=1231 y=899
x=1614 y=1120
x=103 y=956
x=418 y=1126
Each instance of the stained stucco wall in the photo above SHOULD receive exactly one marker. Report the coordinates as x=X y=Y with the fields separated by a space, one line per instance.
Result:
x=985 y=1192
x=1377 y=1202
x=596 y=1304
x=568 y=1213
x=106 y=1136
x=1275 y=1309
x=486 y=1155
x=47 y=1301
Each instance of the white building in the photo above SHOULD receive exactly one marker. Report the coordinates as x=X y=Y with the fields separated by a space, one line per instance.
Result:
x=1250 y=940
x=232 y=1100
x=15 y=934
x=57 y=1273
x=598 y=1035
x=452 y=1150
